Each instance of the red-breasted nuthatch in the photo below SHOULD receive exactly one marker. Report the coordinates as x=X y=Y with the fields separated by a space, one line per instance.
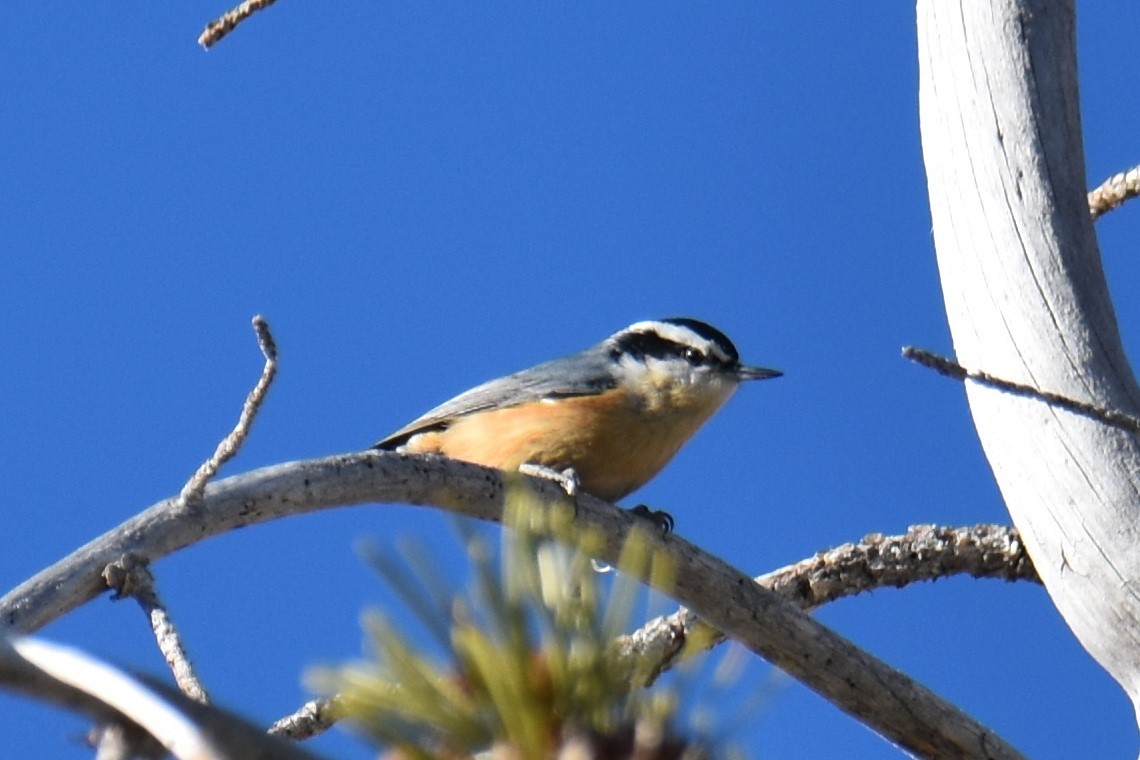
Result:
x=615 y=413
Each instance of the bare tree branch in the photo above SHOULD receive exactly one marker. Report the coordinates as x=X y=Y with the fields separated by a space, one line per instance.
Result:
x=1027 y=299
x=311 y=719
x=886 y=700
x=149 y=721
x=129 y=576
x=216 y=30
x=229 y=446
x=1114 y=191
x=923 y=553
x=30 y=673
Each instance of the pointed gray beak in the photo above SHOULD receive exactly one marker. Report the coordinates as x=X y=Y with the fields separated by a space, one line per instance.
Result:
x=756 y=373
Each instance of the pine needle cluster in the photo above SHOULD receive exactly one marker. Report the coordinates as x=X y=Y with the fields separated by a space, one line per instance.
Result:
x=530 y=670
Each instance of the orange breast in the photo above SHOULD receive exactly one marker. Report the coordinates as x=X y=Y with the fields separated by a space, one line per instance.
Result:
x=612 y=445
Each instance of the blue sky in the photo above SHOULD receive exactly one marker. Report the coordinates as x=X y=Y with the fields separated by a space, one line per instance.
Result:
x=422 y=196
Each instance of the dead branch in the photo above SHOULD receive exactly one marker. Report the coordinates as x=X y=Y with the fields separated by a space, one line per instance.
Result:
x=129 y=576
x=923 y=553
x=1027 y=299
x=148 y=721
x=311 y=719
x=229 y=446
x=216 y=30
x=1114 y=191
x=951 y=368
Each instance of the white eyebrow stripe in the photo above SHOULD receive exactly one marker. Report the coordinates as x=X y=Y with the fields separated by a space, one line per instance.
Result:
x=680 y=334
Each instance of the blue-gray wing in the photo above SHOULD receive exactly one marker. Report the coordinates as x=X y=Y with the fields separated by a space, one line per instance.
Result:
x=584 y=374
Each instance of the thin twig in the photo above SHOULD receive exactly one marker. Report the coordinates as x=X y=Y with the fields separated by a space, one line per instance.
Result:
x=1114 y=191
x=192 y=491
x=950 y=368
x=130 y=576
x=216 y=30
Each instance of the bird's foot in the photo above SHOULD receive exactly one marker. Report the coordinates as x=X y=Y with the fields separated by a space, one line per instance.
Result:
x=567 y=478
x=663 y=520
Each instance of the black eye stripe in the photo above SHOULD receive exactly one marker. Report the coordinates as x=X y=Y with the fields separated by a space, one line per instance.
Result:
x=647 y=344
x=651 y=344
x=709 y=333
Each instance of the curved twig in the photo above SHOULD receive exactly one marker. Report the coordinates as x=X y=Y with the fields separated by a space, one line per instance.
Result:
x=229 y=446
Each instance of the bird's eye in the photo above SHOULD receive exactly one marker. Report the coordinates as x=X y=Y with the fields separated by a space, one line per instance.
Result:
x=693 y=356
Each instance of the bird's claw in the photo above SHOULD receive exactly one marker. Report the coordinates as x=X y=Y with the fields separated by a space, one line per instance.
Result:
x=661 y=519
x=567 y=478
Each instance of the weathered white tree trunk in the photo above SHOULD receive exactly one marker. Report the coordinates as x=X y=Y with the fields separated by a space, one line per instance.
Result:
x=1026 y=299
